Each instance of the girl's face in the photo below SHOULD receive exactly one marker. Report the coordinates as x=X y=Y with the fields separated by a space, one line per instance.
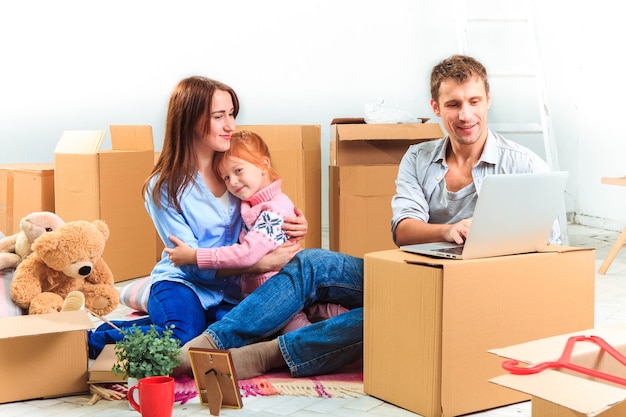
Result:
x=243 y=179
x=222 y=123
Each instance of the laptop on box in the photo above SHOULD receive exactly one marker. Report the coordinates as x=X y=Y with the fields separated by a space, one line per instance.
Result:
x=514 y=214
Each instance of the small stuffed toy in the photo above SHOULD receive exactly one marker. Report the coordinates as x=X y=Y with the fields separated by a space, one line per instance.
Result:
x=64 y=260
x=14 y=248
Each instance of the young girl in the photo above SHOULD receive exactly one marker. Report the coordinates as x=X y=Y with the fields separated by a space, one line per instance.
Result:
x=248 y=174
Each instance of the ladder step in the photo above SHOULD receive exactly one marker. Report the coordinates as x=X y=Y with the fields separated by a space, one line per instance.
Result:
x=497 y=20
x=516 y=127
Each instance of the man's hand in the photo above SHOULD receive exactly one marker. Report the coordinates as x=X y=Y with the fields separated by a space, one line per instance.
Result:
x=458 y=232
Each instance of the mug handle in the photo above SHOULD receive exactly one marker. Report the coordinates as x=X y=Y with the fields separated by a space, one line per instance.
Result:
x=131 y=398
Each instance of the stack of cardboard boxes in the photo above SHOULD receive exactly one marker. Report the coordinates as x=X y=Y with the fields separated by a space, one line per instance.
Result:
x=91 y=183
x=364 y=162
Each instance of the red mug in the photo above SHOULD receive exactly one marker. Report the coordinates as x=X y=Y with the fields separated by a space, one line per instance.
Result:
x=156 y=396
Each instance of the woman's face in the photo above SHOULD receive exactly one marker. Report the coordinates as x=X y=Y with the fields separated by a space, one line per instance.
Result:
x=221 y=123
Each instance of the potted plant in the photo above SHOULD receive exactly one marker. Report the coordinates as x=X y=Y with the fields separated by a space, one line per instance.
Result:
x=151 y=353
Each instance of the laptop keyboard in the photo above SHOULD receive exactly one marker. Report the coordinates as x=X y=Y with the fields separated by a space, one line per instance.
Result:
x=456 y=250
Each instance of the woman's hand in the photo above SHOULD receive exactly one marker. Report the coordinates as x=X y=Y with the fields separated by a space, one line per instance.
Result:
x=277 y=258
x=181 y=254
x=296 y=227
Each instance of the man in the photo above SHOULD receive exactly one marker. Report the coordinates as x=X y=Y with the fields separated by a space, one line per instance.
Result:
x=439 y=181
x=437 y=187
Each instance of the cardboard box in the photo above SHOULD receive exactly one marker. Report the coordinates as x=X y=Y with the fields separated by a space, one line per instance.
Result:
x=43 y=355
x=24 y=188
x=568 y=393
x=91 y=183
x=296 y=154
x=101 y=371
x=364 y=161
x=429 y=322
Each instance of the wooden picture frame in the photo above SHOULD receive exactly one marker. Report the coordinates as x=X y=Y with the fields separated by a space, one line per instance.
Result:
x=215 y=378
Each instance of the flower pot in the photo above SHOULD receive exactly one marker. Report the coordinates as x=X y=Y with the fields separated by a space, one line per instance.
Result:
x=132 y=382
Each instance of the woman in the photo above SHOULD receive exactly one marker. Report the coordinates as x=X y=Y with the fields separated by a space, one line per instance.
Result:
x=186 y=198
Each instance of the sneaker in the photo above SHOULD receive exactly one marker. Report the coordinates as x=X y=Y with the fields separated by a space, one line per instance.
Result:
x=74 y=301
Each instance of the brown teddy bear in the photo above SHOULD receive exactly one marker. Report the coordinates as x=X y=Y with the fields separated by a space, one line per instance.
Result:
x=66 y=259
x=14 y=248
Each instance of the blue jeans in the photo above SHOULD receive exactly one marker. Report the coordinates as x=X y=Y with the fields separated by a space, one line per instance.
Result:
x=313 y=275
x=173 y=303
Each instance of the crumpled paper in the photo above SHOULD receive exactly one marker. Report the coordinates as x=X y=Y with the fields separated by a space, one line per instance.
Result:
x=377 y=113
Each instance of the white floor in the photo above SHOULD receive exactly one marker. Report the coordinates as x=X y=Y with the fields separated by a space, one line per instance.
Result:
x=610 y=309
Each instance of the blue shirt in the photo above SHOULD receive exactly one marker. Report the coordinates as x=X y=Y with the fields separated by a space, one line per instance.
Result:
x=423 y=169
x=204 y=222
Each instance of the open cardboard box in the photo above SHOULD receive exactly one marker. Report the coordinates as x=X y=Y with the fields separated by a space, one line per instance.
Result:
x=364 y=161
x=93 y=183
x=43 y=355
x=567 y=393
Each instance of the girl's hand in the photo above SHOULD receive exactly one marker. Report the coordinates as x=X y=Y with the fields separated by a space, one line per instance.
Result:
x=181 y=254
x=296 y=227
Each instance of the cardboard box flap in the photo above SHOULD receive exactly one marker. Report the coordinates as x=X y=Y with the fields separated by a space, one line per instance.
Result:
x=569 y=388
x=551 y=348
x=132 y=137
x=361 y=120
x=274 y=136
x=80 y=142
x=561 y=249
x=29 y=167
x=584 y=396
x=347 y=121
x=37 y=324
x=101 y=370
x=400 y=131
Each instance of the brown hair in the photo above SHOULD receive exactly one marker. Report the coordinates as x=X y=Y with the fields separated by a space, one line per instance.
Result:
x=250 y=147
x=177 y=165
x=459 y=68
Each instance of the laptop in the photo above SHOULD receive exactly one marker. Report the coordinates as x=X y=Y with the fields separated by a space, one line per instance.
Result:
x=514 y=214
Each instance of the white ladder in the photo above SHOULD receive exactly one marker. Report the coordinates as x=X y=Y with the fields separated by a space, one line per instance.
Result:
x=501 y=34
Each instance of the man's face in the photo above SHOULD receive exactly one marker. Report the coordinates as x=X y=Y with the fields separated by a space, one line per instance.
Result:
x=463 y=109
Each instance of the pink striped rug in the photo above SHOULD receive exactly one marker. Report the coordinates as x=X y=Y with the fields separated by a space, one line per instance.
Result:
x=347 y=382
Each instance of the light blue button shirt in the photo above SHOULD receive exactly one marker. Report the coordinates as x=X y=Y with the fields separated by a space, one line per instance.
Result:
x=423 y=168
x=203 y=222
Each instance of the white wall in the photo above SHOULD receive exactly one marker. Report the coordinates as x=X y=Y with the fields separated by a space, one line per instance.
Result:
x=75 y=64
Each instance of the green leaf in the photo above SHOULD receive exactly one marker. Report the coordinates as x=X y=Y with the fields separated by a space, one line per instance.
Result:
x=151 y=353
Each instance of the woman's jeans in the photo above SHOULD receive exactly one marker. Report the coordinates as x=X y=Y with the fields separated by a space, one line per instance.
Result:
x=313 y=275
x=170 y=303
